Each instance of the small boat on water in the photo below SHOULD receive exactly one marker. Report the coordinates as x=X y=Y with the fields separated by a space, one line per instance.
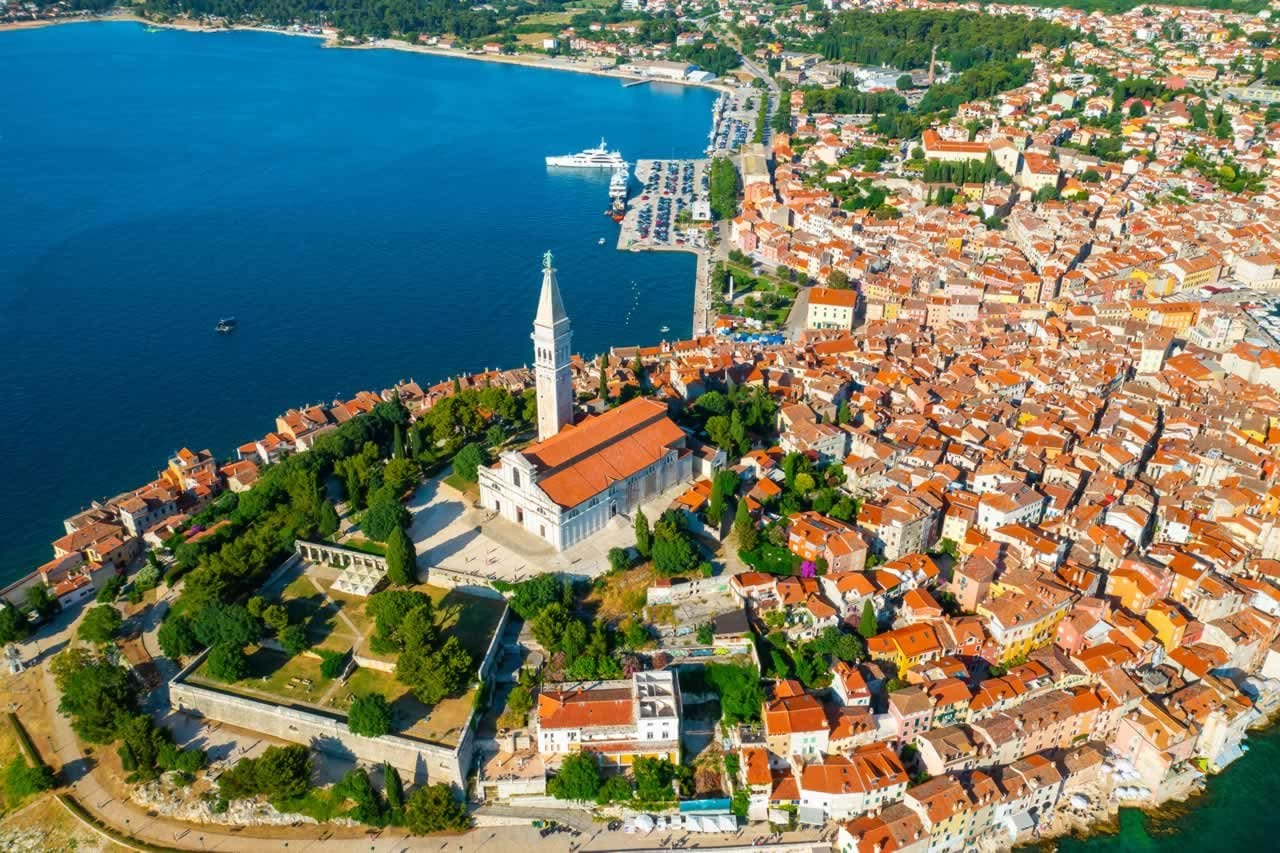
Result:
x=600 y=242
x=665 y=329
x=225 y=326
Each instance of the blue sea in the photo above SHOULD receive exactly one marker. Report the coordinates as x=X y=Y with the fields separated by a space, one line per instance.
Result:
x=368 y=216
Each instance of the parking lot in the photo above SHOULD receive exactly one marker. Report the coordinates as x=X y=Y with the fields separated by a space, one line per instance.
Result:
x=671 y=190
x=734 y=119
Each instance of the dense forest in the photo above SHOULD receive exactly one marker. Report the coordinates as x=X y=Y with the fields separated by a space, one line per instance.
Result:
x=905 y=39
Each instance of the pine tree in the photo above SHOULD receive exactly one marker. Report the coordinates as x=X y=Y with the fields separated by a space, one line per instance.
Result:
x=867 y=627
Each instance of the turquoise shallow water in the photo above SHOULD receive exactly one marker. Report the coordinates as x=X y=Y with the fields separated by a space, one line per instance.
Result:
x=368 y=216
x=1237 y=812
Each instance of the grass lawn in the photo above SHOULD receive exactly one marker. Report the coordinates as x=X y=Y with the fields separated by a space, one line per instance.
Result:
x=773 y=559
x=367 y=546
x=275 y=674
x=469 y=489
x=325 y=628
x=557 y=19
x=441 y=723
x=470 y=618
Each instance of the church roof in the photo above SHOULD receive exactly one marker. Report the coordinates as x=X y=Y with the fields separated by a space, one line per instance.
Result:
x=582 y=460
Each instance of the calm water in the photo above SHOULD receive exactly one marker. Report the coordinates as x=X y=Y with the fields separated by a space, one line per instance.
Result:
x=368 y=216
x=1236 y=813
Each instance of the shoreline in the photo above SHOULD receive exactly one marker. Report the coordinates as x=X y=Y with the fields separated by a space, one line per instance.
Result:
x=519 y=60
x=701 y=308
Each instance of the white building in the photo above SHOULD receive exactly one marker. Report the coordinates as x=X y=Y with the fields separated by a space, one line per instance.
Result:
x=617 y=720
x=578 y=476
x=831 y=309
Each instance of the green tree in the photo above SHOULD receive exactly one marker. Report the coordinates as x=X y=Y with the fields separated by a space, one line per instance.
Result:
x=226 y=662
x=674 y=555
x=578 y=779
x=108 y=592
x=618 y=559
x=176 y=637
x=390 y=608
x=468 y=461
x=95 y=692
x=867 y=626
x=519 y=704
x=394 y=788
x=653 y=779
x=13 y=625
x=530 y=597
x=904 y=82
x=434 y=674
x=745 y=528
x=724 y=188
x=42 y=601
x=21 y=780
x=100 y=625
x=740 y=689
x=231 y=624
x=432 y=808
x=644 y=537
x=402 y=567
x=294 y=639
x=369 y=715
x=281 y=772
x=328 y=523
x=276 y=617
x=383 y=518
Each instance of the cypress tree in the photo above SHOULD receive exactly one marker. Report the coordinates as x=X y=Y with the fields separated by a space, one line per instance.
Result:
x=867 y=627
x=644 y=536
x=394 y=788
x=402 y=568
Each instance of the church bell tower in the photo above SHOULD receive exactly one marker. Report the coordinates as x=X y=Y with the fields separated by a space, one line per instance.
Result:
x=551 y=336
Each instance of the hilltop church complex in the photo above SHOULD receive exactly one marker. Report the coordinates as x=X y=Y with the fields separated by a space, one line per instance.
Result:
x=580 y=475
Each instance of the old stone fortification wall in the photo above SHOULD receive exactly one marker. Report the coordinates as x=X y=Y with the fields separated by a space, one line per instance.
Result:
x=416 y=760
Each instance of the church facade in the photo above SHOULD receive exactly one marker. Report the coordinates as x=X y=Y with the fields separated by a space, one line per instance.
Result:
x=580 y=475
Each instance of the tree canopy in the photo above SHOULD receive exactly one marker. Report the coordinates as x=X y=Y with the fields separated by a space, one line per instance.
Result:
x=369 y=715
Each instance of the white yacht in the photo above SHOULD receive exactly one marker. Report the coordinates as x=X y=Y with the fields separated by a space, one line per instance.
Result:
x=618 y=182
x=592 y=158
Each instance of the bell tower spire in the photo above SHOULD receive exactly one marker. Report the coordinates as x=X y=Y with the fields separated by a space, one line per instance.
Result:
x=551 y=348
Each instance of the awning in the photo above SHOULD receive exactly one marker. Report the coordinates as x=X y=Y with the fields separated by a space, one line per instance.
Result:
x=810 y=815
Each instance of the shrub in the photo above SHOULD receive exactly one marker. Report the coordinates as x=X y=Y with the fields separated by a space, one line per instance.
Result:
x=331 y=663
